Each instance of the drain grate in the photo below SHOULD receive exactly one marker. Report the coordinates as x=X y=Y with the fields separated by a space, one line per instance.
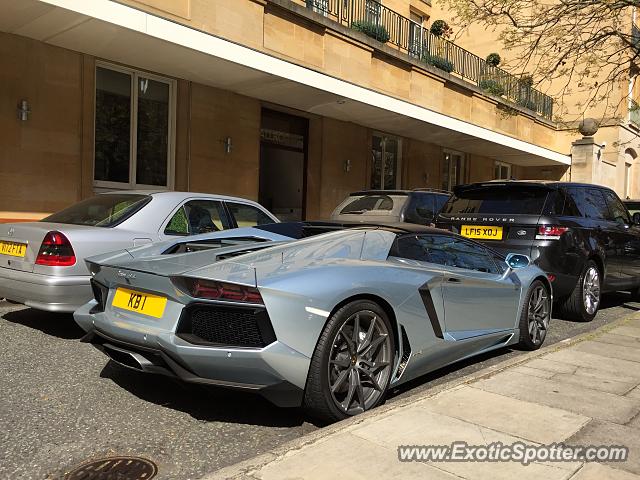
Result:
x=114 y=468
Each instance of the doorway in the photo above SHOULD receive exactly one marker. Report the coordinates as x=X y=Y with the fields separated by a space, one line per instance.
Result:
x=385 y=157
x=283 y=159
x=454 y=169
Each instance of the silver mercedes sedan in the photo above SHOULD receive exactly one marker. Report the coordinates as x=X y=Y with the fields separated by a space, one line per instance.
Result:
x=42 y=263
x=329 y=321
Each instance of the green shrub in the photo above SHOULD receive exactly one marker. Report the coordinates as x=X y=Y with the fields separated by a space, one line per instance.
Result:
x=440 y=28
x=438 y=62
x=527 y=103
x=370 y=29
x=492 y=86
x=493 y=59
x=526 y=80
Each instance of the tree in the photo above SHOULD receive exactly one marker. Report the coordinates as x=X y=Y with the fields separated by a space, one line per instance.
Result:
x=581 y=52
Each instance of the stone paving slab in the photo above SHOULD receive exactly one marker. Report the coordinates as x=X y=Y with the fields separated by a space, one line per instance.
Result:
x=619 y=339
x=596 y=382
x=597 y=471
x=632 y=330
x=609 y=365
x=599 y=432
x=551 y=365
x=635 y=393
x=526 y=420
x=536 y=372
x=418 y=426
x=349 y=456
x=631 y=354
x=554 y=393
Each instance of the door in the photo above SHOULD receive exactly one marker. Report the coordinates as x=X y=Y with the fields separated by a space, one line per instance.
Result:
x=415 y=34
x=476 y=296
x=454 y=170
x=598 y=224
x=385 y=167
x=627 y=237
x=283 y=153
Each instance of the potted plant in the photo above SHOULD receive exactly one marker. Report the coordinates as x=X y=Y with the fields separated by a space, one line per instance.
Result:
x=493 y=59
x=492 y=86
x=370 y=29
x=438 y=62
x=440 y=28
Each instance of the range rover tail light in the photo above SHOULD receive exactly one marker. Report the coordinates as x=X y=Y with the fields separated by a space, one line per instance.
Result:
x=550 y=232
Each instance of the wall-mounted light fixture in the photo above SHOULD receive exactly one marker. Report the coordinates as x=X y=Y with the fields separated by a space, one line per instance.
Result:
x=23 y=110
x=228 y=145
x=347 y=166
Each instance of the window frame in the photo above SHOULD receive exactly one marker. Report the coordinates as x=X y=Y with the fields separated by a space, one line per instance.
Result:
x=499 y=165
x=232 y=216
x=135 y=74
x=491 y=254
x=398 y=171
x=182 y=206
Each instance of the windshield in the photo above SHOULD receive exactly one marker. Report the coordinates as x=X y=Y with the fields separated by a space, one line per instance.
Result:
x=513 y=199
x=100 y=211
x=366 y=203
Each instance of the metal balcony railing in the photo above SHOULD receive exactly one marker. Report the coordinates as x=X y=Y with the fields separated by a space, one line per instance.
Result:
x=387 y=26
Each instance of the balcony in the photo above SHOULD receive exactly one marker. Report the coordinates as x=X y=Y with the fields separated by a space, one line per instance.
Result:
x=387 y=26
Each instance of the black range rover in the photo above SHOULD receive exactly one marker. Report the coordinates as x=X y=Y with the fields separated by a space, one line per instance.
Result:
x=581 y=235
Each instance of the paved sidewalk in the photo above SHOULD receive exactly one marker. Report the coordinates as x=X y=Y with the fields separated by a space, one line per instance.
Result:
x=582 y=392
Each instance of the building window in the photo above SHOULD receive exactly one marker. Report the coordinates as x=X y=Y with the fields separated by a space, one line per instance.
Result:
x=319 y=6
x=416 y=34
x=502 y=171
x=385 y=156
x=454 y=169
x=134 y=129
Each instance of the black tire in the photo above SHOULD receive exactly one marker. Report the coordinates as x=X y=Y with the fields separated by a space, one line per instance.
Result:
x=535 y=316
x=575 y=306
x=319 y=400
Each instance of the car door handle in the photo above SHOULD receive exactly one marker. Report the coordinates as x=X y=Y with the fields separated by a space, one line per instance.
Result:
x=453 y=280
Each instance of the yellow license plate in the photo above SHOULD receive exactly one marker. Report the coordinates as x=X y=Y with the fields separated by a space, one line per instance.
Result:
x=481 y=232
x=139 y=302
x=13 y=249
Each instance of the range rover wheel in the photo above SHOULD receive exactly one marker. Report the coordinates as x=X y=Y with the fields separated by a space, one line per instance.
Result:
x=351 y=367
x=535 y=316
x=584 y=301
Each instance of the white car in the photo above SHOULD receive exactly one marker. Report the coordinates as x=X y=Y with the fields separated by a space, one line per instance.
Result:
x=42 y=263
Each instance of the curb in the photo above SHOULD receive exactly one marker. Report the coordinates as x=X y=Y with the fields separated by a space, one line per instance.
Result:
x=245 y=468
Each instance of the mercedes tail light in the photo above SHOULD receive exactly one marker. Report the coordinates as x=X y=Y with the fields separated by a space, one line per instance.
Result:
x=550 y=232
x=215 y=290
x=56 y=251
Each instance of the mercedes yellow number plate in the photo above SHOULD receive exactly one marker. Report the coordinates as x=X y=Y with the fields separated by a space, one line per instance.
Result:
x=13 y=249
x=481 y=232
x=139 y=302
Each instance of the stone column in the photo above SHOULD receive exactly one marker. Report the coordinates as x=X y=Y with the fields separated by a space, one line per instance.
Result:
x=585 y=154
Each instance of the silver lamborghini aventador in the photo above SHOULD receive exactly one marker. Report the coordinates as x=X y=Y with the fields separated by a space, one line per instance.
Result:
x=328 y=321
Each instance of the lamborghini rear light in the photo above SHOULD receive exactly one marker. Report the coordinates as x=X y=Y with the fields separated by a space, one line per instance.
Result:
x=214 y=290
x=550 y=232
x=56 y=251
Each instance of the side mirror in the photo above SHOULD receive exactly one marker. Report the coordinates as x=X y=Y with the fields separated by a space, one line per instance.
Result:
x=516 y=260
x=636 y=218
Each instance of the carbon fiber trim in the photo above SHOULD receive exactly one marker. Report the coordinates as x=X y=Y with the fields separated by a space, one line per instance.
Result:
x=425 y=294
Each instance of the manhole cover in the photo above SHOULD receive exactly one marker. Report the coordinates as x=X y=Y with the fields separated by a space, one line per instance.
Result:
x=114 y=468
